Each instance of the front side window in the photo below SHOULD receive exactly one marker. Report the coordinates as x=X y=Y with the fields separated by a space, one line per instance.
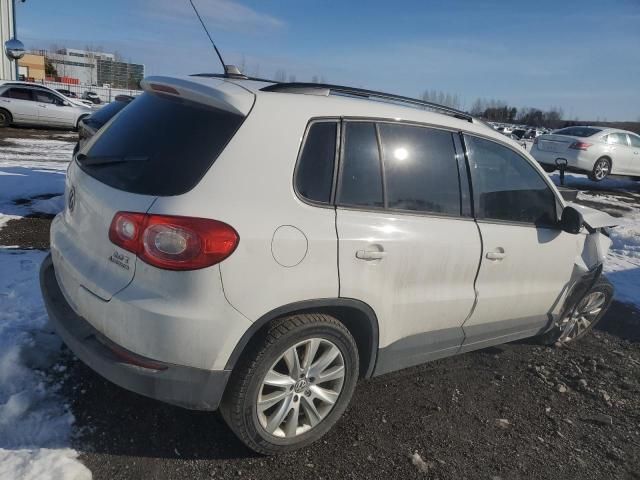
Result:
x=44 y=97
x=506 y=187
x=314 y=176
x=18 y=93
x=635 y=140
x=421 y=170
x=361 y=176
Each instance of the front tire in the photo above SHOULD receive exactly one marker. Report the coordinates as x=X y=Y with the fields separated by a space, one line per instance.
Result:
x=590 y=309
x=5 y=118
x=601 y=169
x=293 y=384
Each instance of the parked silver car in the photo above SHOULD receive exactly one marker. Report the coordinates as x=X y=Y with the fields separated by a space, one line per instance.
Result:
x=597 y=151
x=24 y=103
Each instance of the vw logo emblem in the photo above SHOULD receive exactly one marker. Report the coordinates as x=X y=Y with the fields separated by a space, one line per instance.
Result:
x=301 y=385
x=71 y=201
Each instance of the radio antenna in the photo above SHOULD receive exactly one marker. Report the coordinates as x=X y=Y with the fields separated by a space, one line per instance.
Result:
x=224 y=66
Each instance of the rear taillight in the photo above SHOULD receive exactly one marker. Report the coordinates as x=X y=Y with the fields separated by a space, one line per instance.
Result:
x=171 y=242
x=580 y=145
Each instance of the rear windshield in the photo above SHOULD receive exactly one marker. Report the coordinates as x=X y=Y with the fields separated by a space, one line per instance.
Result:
x=578 y=131
x=159 y=145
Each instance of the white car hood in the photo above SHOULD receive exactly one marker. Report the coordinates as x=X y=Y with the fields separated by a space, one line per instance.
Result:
x=595 y=218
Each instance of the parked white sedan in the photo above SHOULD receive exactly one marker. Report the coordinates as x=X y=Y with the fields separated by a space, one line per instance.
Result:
x=25 y=103
x=597 y=151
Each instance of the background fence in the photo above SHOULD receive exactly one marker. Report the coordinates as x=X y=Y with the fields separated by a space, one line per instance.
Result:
x=106 y=94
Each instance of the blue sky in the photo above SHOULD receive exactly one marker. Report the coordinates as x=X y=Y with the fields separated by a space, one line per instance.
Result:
x=583 y=56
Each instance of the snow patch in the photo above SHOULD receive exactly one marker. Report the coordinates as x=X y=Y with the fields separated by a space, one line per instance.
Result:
x=35 y=424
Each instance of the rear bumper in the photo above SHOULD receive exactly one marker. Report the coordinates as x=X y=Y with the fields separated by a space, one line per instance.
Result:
x=577 y=160
x=184 y=386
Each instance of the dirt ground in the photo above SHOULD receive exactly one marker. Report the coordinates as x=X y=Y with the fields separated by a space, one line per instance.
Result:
x=515 y=411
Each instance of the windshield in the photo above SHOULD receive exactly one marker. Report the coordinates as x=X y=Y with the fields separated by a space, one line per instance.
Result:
x=159 y=145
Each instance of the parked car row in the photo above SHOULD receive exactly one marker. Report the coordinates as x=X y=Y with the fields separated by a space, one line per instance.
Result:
x=88 y=97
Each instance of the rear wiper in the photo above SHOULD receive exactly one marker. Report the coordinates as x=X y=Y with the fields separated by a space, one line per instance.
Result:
x=108 y=160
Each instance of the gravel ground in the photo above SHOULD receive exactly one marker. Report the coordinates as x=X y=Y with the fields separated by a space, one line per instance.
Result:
x=515 y=411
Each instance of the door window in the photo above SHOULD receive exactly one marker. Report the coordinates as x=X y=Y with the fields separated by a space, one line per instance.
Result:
x=45 y=97
x=314 y=177
x=635 y=140
x=507 y=187
x=18 y=93
x=421 y=171
x=361 y=176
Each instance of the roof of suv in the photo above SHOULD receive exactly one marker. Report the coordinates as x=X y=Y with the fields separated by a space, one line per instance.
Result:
x=344 y=101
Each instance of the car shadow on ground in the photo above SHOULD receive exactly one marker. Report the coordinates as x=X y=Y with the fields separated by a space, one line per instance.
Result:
x=136 y=426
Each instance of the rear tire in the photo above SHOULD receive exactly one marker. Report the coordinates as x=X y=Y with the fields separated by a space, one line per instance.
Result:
x=5 y=118
x=275 y=407
x=601 y=169
x=582 y=322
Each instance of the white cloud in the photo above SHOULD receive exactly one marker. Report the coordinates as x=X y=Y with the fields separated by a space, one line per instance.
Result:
x=217 y=14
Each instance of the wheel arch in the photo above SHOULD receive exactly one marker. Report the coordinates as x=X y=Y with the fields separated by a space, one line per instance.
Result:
x=357 y=316
x=8 y=113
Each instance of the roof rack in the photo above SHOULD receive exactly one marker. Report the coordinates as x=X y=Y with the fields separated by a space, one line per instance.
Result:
x=327 y=89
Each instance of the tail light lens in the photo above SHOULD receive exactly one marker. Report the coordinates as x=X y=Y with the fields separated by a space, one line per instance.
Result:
x=172 y=242
x=580 y=145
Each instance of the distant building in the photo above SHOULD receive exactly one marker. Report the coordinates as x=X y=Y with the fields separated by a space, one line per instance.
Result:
x=31 y=67
x=119 y=74
x=95 y=68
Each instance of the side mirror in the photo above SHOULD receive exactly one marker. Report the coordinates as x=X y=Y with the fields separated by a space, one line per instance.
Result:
x=571 y=220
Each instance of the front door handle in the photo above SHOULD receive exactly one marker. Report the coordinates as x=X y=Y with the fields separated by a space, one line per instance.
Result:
x=497 y=254
x=369 y=255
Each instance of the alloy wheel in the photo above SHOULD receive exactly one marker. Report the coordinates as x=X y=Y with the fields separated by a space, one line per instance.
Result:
x=300 y=388
x=584 y=315
x=601 y=169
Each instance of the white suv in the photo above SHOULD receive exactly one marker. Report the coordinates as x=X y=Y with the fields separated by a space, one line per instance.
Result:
x=259 y=247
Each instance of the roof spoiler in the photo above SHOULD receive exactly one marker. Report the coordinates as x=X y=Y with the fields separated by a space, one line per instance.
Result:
x=218 y=94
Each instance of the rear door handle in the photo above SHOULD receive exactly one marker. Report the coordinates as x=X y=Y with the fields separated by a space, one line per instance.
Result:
x=369 y=255
x=497 y=254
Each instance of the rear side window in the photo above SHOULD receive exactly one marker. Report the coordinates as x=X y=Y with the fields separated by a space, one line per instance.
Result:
x=506 y=187
x=314 y=177
x=617 y=139
x=18 y=93
x=578 y=131
x=361 y=176
x=160 y=145
x=421 y=170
